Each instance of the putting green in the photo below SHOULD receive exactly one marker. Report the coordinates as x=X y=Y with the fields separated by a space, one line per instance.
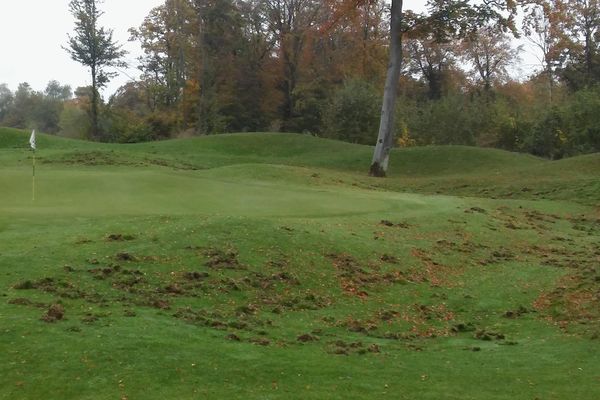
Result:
x=126 y=191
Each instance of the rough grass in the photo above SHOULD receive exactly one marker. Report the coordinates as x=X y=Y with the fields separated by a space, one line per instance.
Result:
x=269 y=266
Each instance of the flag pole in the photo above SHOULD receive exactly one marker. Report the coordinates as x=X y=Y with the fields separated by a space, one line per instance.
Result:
x=33 y=179
x=33 y=146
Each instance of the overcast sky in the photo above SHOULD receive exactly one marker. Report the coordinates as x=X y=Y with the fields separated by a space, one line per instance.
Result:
x=33 y=31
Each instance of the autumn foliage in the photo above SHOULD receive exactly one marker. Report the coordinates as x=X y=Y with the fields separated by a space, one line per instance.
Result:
x=318 y=67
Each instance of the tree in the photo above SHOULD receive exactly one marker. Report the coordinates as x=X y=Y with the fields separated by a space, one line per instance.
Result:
x=21 y=110
x=432 y=60
x=583 y=28
x=544 y=25
x=200 y=58
x=6 y=100
x=49 y=105
x=290 y=23
x=218 y=46
x=448 y=18
x=353 y=40
x=56 y=91
x=490 y=52
x=93 y=46
x=385 y=137
x=167 y=39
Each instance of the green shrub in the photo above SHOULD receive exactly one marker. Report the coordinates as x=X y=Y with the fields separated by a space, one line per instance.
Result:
x=353 y=114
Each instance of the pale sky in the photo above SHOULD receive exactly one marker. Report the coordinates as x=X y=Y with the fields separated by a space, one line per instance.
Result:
x=33 y=31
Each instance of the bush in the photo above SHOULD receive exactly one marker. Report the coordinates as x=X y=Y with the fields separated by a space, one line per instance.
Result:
x=127 y=127
x=444 y=121
x=548 y=137
x=74 y=122
x=353 y=114
x=584 y=116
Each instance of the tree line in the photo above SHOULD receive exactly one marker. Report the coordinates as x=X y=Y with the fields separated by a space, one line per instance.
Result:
x=319 y=67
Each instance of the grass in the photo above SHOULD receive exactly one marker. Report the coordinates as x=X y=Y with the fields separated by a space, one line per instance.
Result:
x=268 y=266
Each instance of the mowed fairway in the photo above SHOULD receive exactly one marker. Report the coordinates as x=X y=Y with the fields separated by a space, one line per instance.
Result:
x=268 y=266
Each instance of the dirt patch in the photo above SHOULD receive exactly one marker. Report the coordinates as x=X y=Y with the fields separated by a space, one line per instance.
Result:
x=340 y=347
x=415 y=321
x=356 y=325
x=125 y=256
x=195 y=275
x=483 y=334
x=103 y=273
x=119 y=237
x=161 y=304
x=248 y=309
x=386 y=258
x=518 y=312
x=44 y=284
x=174 y=289
x=278 y=263
x=374 y=348
x=284 y=277
x=128 y=283
x=355 y=278
x=294 y=302
x=129 y=313
x=462 y=327
x=55 y=312
x=307 y=337
x=223 y=259
x=178 y=165
x=258 y=280
x=432 y=272
x=500 y=255
x=390 y=224
x=574 y=305
x=24 y=285
x=587 y=224
x=92 y=158
x=478 y=210
x=20 y=301
x=535 y=216
x=90 y=318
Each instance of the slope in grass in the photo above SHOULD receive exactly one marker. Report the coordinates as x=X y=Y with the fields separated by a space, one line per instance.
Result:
x=455 y=170
x=268 y=266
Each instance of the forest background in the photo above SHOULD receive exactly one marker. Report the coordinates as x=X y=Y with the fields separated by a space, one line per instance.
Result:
x=318 y=67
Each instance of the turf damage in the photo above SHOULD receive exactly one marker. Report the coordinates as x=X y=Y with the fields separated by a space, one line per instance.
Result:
x=333 y=285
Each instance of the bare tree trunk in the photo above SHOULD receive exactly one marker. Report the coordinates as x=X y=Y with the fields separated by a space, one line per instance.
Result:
x=385 y=139
x=202 y=124
x=95 y=133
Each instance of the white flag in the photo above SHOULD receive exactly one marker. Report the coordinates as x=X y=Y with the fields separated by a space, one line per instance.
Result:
x=32 y=140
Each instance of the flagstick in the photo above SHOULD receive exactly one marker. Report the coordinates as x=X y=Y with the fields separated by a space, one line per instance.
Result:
x=33 y=180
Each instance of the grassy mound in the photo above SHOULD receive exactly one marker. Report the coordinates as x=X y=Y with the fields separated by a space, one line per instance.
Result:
x=295 y=150
x=257 y=266
x=453 y=170
x=19 y=139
